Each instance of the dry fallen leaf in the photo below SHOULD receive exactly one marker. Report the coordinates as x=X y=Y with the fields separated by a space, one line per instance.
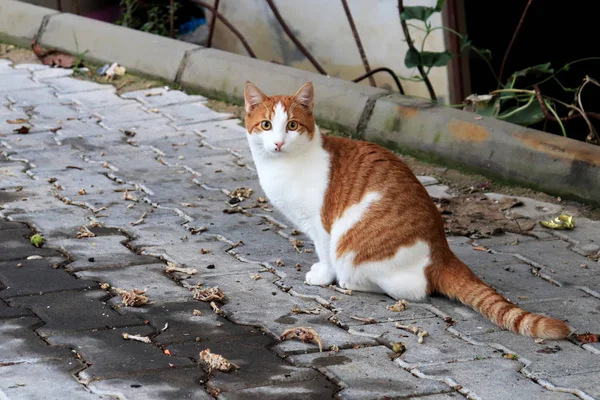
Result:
x=216 y=361
x=420 y=332
x=305 y=334
x=84 y=232
x=17 y=121
x=587 y=337
x=197 y=313
x=297 y=244
x=22 y=130
x=279 y=262
x=53 y=57
x=399 y=306
x=209 y=294
x=204 y=251
x=481 y=248
x=132 y=298
x=240 y=194
x=82 y=192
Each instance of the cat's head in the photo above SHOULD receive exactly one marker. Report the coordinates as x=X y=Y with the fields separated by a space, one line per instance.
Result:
x=279 y=125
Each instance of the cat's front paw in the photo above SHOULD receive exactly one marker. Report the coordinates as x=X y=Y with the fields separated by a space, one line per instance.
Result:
x=319 y=274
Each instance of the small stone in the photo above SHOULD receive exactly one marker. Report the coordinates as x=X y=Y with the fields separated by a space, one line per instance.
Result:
x=210 y=266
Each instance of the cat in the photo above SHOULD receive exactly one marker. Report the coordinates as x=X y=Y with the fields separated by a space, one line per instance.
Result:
x=374 y=226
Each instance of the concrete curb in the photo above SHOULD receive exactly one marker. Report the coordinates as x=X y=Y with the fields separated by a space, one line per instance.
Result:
x=506 y=151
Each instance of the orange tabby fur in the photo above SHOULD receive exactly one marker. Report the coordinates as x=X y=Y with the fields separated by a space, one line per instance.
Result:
x=404 y=215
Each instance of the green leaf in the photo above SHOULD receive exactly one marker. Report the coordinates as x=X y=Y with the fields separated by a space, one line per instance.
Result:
x=418 y=12
x=525 y=115
x=439 y=5
x=536 y=70
x=414 y=58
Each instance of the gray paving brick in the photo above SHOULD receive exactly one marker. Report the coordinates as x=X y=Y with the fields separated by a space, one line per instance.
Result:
x=587 y=382
x=35 y=381
x=73 y=311
x=368 y=373
x=22 y=345
x=258 y=366
x=15 y=246
x=100 y=253
x=51 y=73
x=35 y=97
x=12 y=312
x=150 y=277
x=18 y=280
x=121 y=116
x=162 y=97
x=96 y=99
x=69 y=85
x=60 y=222
x=191 y=113
x=507 y=380
x=19 y=81
x=111 y=356
x=180 y=383
x=315 y=389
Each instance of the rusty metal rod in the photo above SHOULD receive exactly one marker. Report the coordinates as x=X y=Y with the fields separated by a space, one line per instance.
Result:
x=213 y=21
x=229 y=25
x=361 y=49
x=171 y=19
x=382 y=69
x=294 y=38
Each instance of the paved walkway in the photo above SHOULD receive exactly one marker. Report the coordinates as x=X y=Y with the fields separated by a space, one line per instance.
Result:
x=153 y=175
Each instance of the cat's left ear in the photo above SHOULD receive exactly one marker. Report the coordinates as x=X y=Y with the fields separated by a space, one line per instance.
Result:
x=253 y=96
x=305 y=95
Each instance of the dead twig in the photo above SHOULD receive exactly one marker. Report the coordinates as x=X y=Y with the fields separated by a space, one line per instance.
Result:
x=361 y=49
x=171 y=267
x=512 y=40
x=209 y=294
x=138 y=338
x=84 y=232
x=339 y=289
x=132 y=298
x=421 y=333
x=365 y=320
x=298 y=310
x=401 y=305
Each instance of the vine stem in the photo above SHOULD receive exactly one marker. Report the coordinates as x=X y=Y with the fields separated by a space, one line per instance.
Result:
x=512 y=41
x=411 y=47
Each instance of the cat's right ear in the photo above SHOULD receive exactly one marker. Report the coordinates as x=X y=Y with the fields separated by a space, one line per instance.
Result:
x=253 y=96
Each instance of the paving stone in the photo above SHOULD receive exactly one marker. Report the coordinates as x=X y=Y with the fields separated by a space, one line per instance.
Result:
x=427 y=180
x=162 y=97
x=588 y=383
x=113 y=357
x=183 y=326
x=569 y=360
x=20 y=344
x=258 y=366
x=14 y=245
x=120 y=116
x=368 y=373
x=440 y=347
x=12 y=312
x=100 y=253
x=18 y=81
x=36 y=380
x=150 y=277
x=37 y=277
x=191 y=113
x=32 y=98
x=533 y=209
x=507 y=380
x=54 y=223
x=70 y=85
x=51 y=73
x=73 y=311
x=180 y=383
x=315 y=389
x=96 y=99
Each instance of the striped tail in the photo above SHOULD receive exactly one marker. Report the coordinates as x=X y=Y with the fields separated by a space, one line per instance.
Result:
x=457 y=281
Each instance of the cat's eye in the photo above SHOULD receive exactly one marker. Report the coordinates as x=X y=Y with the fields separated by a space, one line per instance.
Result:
x=265 y=125
x=292 y=126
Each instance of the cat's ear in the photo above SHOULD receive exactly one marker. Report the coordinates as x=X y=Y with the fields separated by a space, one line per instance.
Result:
x=305 y=95
x=253 y=96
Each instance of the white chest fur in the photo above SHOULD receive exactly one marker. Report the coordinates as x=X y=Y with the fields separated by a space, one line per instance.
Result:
x=296 y=184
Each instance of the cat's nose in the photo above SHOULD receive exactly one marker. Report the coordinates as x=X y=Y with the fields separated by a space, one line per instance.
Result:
x=278 y=146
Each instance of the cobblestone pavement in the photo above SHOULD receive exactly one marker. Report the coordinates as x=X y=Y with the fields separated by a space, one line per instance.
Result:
x=152 y=175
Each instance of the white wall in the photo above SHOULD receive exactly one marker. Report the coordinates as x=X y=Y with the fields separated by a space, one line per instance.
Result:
x=322 y=26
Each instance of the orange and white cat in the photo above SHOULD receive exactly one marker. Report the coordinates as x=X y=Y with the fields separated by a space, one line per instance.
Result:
x=373 y=224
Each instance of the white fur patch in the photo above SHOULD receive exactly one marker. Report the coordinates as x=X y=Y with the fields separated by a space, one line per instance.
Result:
x=279 y=122
x=400 y=277
x=351 y=216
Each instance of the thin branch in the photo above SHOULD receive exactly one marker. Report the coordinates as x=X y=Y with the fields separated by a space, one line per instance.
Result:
x=548 y=116
x=172 y=19
x=293 y=37
x=228 y=25
x=512 y=41
x=592 y=130
x=382 y=69
x=411 y=46
x=213 y=21
x=361 y=49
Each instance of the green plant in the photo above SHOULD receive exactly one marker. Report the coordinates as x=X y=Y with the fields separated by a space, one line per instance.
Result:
x=152 y=17
x=517 y=100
